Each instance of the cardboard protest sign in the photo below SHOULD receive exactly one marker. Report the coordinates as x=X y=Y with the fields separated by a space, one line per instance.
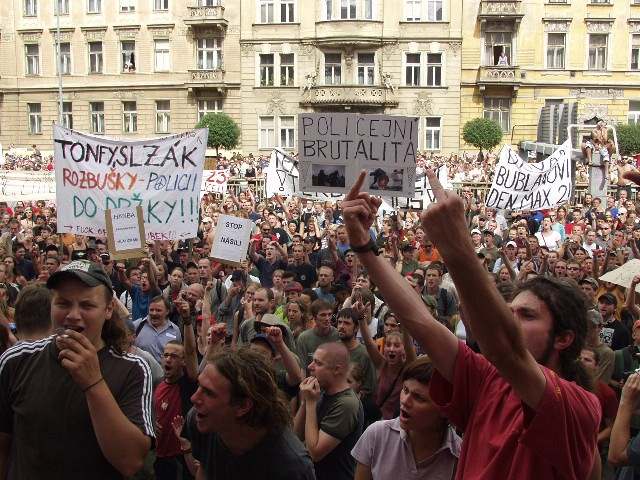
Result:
x=125 y=232
x=18 y=185
x=334 y=147
x=281 y=175
x=519 y=185
x=162 y=175
x=231 y=239
x=214 y=181
x=623 y=275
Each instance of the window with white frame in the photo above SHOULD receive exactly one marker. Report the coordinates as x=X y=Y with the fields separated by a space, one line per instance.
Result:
x=328 y=9
x=94 y=6
x=434 y=10
x=163 y=116
x=498 y=110
x=129 y=117
x=287 y=132
x=208 y=106
x=32 y=58
x=30 y=8
x=209 y=53
x=266 y=11
x=413 y=10
x=423 y=10
x=209 y=3
x=127 y=6
x=412 y=70
x=348 y=9
x=61 y=7
x=162 y=59
x=432 y=133
x=598 y=43
x=267 y=69
x=128 y=56
x=287 y=73
x=95 y=57
x=161 y=5
x=556 y=50
x=35 y=118
x=366 y=68
x=558 y=1
x=267 y=131
x=635 y=52
x=495 y=45
x=67 y=114
x=65 y=58
x=332 y=68
x=368 y=9
x=434 y=69
x=287 y=11
x=96 y=110
x=634 y=112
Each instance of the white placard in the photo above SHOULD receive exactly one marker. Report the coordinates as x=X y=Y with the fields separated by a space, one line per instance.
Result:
x=19 y=185
x=214 y=181
x=162 y=175
x=231 y=240
x=519 y=185
x=126 y=234
x=623 y=275
x=334 y=147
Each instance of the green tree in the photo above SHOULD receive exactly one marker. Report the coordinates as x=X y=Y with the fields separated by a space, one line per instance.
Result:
x=482 y=133
x=628 y=139
x=223 y=131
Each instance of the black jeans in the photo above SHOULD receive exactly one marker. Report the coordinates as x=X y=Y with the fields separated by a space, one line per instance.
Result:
x=171 y=468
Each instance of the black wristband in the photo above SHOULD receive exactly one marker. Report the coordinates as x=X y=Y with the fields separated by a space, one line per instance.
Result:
x=370 y=246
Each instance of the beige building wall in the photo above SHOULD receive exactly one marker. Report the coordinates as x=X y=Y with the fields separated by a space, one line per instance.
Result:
x=388 y=29
x=609 y=90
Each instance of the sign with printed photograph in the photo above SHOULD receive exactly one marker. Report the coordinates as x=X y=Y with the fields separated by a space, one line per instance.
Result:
x=334 y=147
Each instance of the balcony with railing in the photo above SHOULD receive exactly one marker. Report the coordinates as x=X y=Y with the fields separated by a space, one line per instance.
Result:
x=349 y=95
x=508 y=76
x=500 y=10
x=207 y=79
x=206 y=17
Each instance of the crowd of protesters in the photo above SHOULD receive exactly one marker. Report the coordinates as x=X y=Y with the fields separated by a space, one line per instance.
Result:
x=460 y=342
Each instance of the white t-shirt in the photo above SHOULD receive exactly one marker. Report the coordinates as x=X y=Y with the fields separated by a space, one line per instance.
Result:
x=551 y=240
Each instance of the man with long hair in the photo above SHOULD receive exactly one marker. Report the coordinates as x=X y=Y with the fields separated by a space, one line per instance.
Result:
x=241 y=427
x=74 y=405
x=521 y=411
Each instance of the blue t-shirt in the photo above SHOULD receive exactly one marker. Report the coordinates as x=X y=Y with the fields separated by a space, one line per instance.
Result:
x=140 y=301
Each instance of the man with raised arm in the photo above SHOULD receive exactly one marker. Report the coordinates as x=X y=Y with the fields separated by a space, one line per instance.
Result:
x=522 y=414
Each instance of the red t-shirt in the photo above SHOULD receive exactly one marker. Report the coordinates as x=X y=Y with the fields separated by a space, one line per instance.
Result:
x=506 y=439
x=608 y=402
x=167 y=405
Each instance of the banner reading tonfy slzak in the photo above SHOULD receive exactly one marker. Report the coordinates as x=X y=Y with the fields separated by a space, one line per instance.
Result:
x=518 y=185
x=162 y=175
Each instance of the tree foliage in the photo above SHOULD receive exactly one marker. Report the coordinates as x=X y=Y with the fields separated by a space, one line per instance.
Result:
x=628 y=139
x=223 y=131
x=482 y=133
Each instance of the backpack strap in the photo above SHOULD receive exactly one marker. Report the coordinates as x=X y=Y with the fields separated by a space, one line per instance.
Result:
x=141 y=326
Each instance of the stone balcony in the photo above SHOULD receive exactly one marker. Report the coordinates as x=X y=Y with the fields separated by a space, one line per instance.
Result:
x=508 y=76
x=206 y=17
x=500 y=10
x=349 y=33
x=207 y=79
x=348 y=95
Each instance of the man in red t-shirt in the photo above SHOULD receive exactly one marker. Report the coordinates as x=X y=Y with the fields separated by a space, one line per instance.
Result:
x=522 y=413
x=171 y=397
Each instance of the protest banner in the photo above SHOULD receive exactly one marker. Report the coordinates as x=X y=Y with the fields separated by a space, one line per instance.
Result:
x=231 y=239
x=24 y=185
x=125 y=232
x=214 y=181
x=519 y=185
x=335 y=147
x=623 y=275
x=281 y=175
x=162 y=175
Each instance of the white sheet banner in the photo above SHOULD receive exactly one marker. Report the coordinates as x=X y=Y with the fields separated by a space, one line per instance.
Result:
x=215 y=181
x=17 y=185
x=162 y=175
x=519 y=185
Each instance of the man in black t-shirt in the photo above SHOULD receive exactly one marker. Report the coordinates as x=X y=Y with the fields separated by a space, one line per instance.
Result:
x=613 y=333
x=75 y=406
x=239 y=428
x=305 y=273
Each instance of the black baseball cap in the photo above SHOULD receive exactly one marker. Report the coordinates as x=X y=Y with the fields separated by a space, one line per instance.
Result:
x=608 y=298
x=89 y=273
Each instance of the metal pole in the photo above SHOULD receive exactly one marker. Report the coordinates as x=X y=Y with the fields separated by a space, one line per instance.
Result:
x=59 y=2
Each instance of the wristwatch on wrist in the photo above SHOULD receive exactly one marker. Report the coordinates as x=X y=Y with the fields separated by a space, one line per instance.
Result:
x=371 y=245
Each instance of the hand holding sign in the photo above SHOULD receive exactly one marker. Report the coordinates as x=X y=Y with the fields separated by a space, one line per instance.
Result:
x=445 y=220
x=359 y=210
